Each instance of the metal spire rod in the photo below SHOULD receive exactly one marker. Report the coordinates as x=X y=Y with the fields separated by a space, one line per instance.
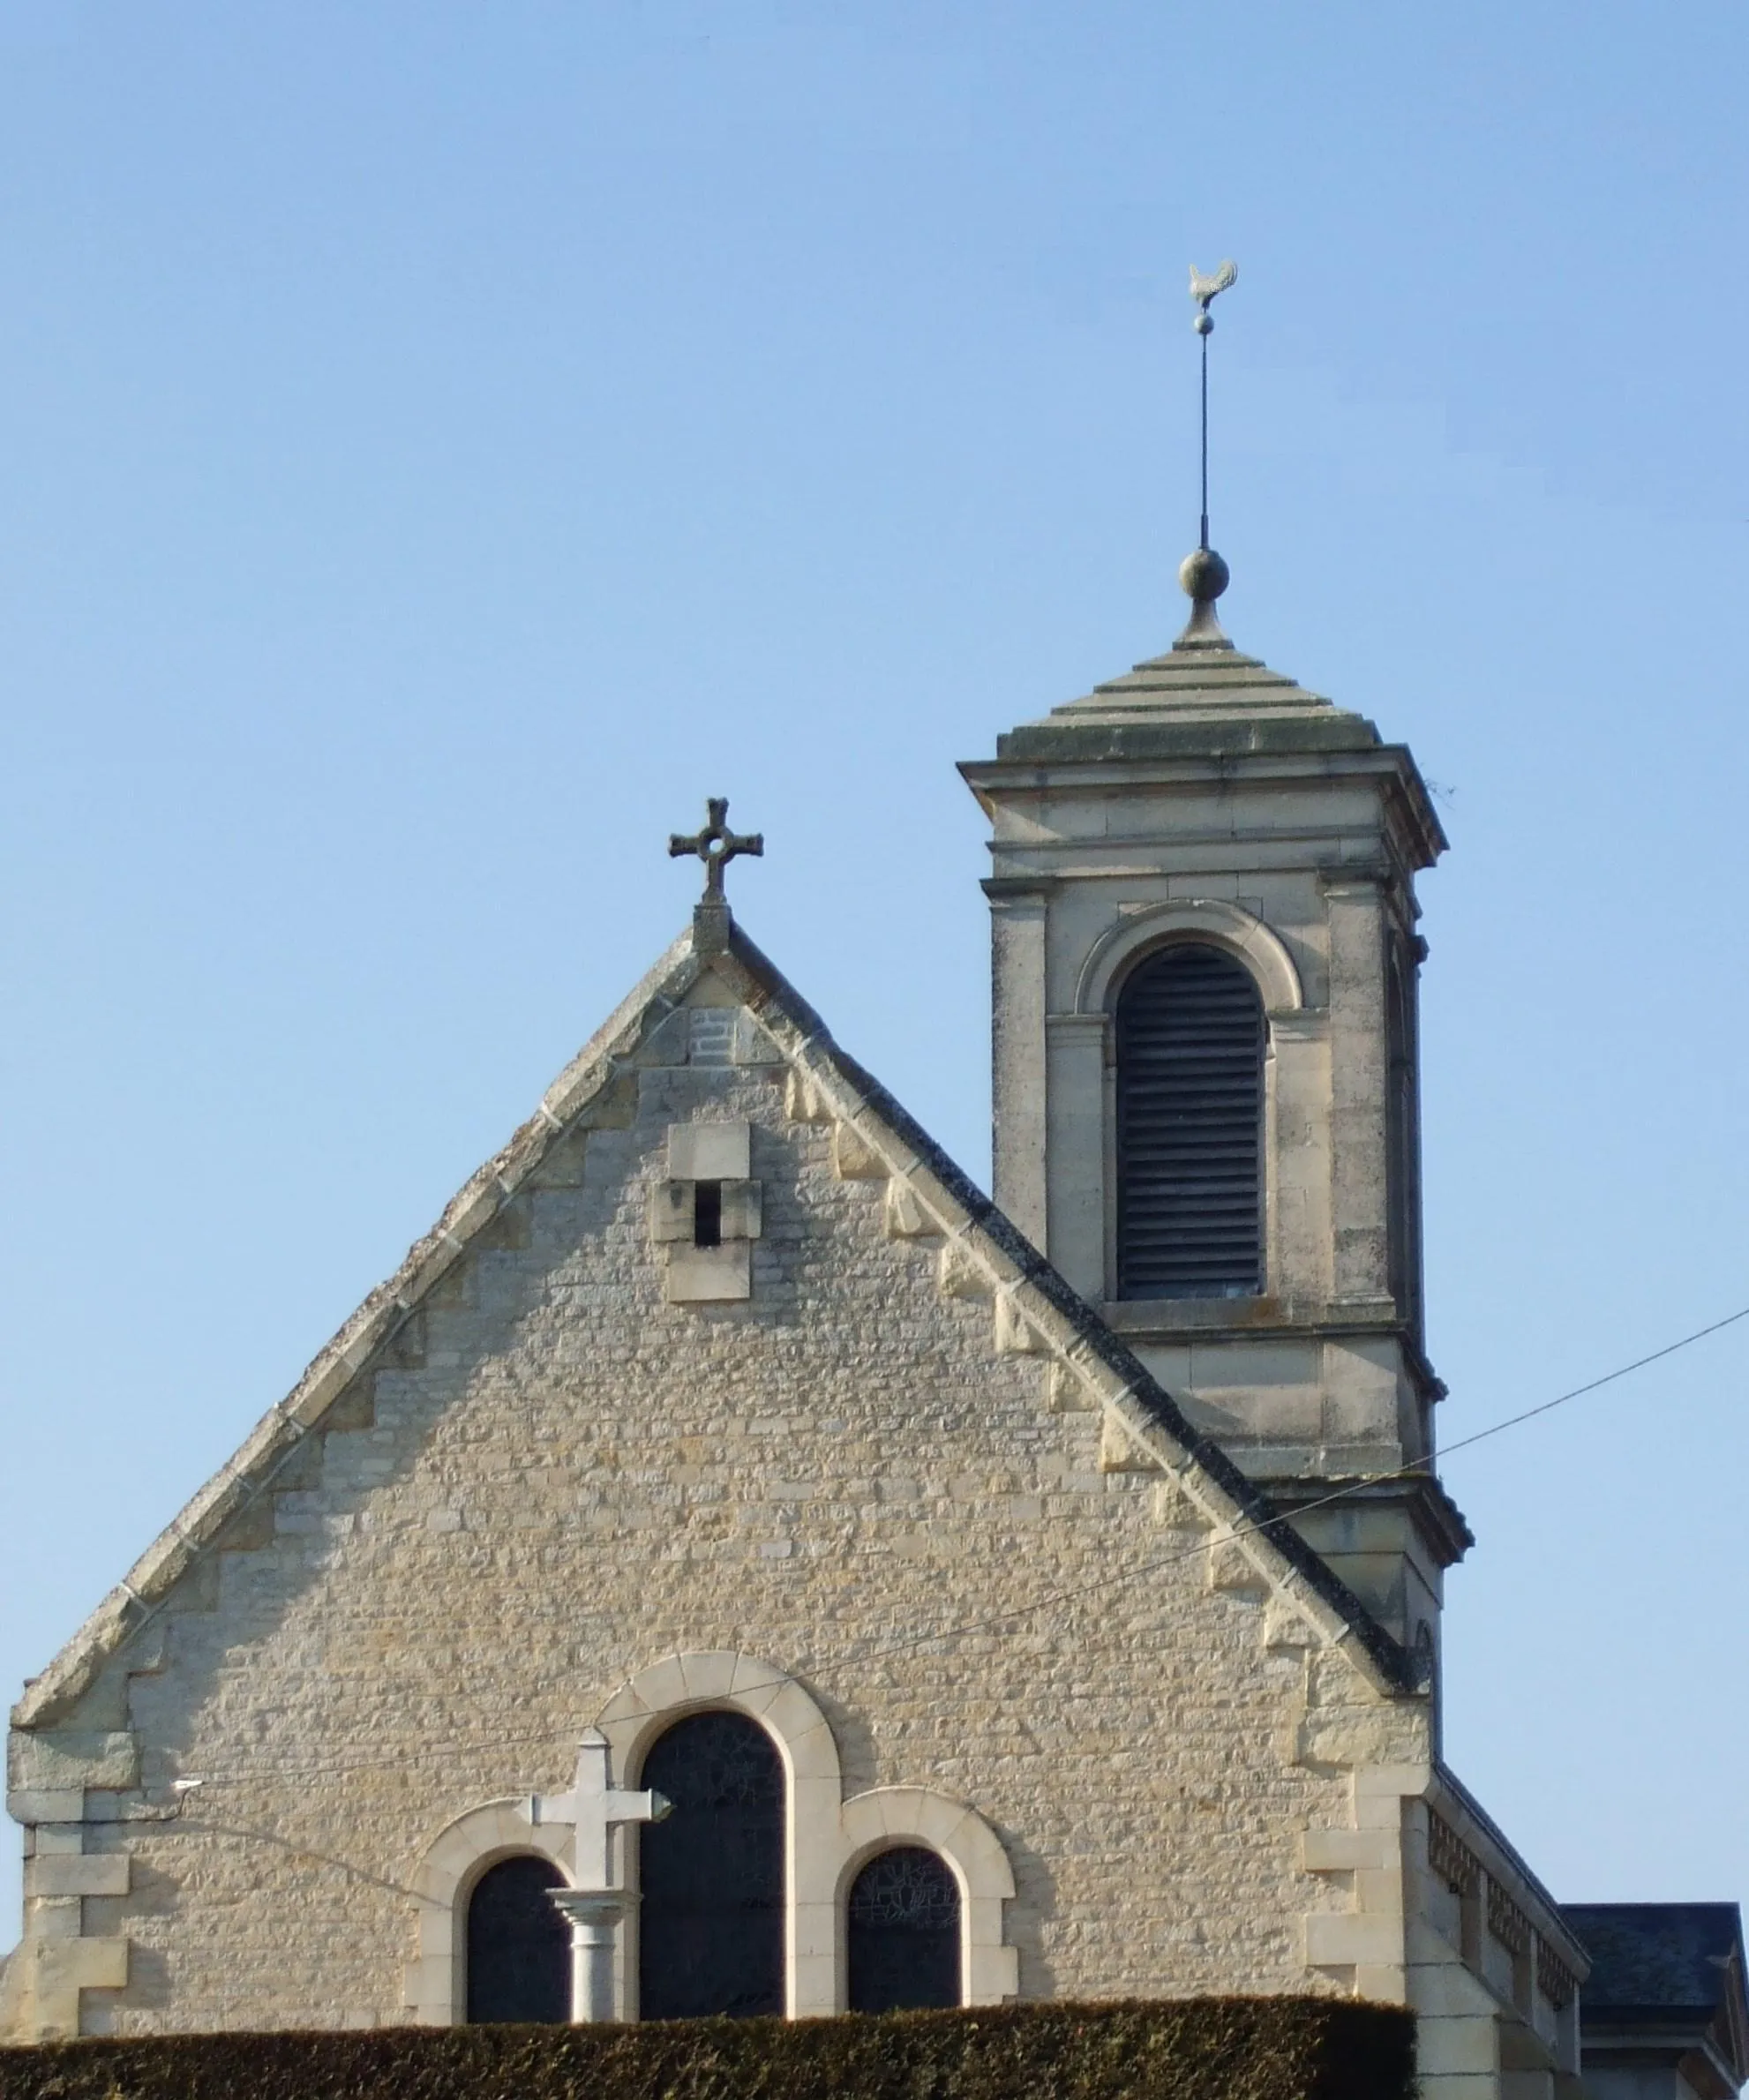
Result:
x=1204 y=540
x=1203 y=290
x=1203 y=575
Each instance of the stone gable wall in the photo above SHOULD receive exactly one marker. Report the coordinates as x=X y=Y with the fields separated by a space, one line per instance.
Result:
x=559 y=1478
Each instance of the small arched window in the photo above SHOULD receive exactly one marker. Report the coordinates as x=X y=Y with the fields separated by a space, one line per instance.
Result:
x=1191 y=1037
x=903 y=1932
x=519 y=1947
x=711 y=1925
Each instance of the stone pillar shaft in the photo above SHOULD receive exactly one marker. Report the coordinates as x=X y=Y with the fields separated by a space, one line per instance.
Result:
x=1017 y=924
x=593 y=1915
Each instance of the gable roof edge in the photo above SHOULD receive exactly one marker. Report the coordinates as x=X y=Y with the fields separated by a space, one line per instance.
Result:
x=131 y=1605
x=1010 y=1259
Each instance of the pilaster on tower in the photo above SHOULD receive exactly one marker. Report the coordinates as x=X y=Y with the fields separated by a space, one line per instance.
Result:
x=1206 y=1072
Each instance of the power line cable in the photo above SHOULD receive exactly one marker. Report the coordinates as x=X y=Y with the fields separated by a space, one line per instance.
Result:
x=1064 y=1596
x=1370 y=1479
x=1608 y=1378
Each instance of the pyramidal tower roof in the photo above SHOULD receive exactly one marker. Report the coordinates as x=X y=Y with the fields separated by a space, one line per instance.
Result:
x=1204 y=697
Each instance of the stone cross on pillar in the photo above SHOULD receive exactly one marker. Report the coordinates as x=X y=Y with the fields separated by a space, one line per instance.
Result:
x=594 y=1807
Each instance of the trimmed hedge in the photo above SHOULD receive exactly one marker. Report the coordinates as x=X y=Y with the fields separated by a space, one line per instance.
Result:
x=1195 y=2049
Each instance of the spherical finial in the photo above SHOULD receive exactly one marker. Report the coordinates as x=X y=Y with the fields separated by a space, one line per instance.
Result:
x=1203 y=323
x=1203 y=575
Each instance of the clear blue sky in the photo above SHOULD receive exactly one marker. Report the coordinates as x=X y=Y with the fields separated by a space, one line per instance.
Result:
x=441 y=444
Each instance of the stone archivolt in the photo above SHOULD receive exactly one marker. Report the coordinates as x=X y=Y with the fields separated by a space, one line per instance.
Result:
x=828 y=1839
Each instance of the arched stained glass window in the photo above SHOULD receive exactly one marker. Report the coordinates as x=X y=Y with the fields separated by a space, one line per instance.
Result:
x=1190 y=1040
x=519 y=1947
x=711 y=1920
x=903 y=1935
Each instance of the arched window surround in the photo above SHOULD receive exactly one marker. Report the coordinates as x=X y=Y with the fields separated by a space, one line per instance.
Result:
x=1206 y=922
x=436 y=1981
x=1211 y=921
x=828 y=1839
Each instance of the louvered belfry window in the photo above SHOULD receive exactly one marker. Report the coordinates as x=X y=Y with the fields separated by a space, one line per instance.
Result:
x=1189 y=1128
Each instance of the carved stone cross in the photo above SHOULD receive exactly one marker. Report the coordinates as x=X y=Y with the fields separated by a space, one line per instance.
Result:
x=594 y=1807
x=716 y=846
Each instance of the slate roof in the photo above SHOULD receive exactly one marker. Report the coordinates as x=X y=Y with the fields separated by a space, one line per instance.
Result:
x=1016 y=1270
x=1652 y=1958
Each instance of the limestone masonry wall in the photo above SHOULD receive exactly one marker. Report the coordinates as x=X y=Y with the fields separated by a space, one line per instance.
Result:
x=558 y=1478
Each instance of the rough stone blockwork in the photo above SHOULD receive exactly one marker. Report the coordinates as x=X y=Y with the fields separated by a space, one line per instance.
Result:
x=894 y=1471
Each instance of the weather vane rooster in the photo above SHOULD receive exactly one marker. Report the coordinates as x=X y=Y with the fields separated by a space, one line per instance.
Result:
x=1204 y=288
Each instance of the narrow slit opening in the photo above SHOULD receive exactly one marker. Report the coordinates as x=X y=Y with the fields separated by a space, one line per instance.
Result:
x=708 y=1214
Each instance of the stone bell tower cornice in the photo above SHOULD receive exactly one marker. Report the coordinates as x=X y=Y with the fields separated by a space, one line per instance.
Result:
x=1016 y=788
x=1190 y=717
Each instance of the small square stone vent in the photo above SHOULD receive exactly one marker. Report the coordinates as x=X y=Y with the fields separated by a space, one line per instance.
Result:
x=706 y=1215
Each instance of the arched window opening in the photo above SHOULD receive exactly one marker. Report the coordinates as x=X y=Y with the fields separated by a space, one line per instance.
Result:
x=1191 y=1037
x=904 y=1936
x=711 y=1921
x=519 y=1947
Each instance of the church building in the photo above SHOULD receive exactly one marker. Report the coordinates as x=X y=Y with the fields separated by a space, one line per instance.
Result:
x=735 y=1565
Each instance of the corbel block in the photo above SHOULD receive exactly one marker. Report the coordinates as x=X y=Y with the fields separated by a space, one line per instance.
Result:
x=1067 y=1392
x=802 y=1099
x=1119 y=1452
x=1231 y=1569
x=904 y=1217
x=1016 y=1335
x=853 y=1158
x=958 y=1275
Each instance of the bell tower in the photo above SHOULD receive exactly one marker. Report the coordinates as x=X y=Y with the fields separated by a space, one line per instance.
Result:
x=1206 y=1072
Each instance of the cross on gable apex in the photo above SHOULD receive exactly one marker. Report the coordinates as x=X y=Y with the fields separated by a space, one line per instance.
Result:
x=716 y=846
